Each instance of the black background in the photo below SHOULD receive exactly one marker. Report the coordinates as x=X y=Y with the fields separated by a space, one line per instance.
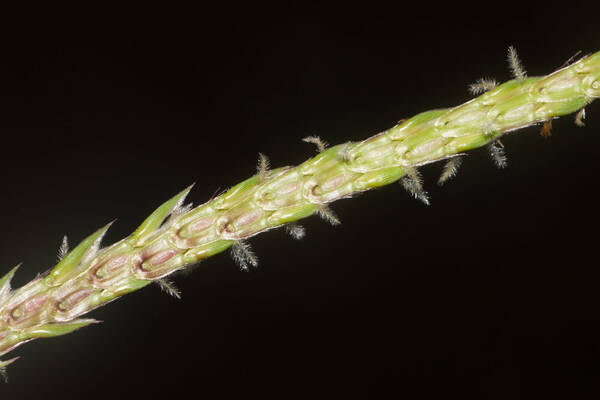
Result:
x=489 y=293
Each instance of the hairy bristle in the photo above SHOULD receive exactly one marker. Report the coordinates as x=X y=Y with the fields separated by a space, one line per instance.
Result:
x=325 y=212
x=263 y=167
x=579 y=117
x=450 y=170
x=242 y=254
x=317 y=141
x=169 y=287
x=177 y=211
x=482 y=86
x=496 y=150
x=516 y=68
x=296 y=231
x=413 y=184
x=344 y=153
x=488 y=129
x=546 y=130
x=63 y=249
x=4 y=374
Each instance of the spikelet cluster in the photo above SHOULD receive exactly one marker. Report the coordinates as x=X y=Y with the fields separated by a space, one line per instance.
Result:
x=178 y=235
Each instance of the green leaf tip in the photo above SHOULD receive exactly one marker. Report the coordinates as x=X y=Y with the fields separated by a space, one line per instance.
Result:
x=58 y=329
x=6 y=363
x=3 y=365
x=153 y=222
x=84 y=251
x=5 y=282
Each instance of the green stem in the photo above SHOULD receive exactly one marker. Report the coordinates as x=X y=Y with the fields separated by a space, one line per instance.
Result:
x=174 y=237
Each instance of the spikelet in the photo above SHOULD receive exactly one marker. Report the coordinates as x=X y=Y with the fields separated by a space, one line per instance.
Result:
x=160 y=244
x=93 y=249
x=161 y=218
x=514 y=63
x=317 y=141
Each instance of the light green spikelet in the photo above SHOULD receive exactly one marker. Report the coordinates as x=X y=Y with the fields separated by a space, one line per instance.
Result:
x=57 y=329
x=154 y=221
x=67 y=266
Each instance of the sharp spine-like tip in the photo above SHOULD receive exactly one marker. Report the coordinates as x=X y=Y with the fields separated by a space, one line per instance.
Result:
x=93 y=249
x=3 y=365
x=80 y=255
x=5 y=287
x=151 y=224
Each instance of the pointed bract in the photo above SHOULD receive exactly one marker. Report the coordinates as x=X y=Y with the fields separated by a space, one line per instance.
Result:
x=5 y=283
x=153 y=222
x=8 y=362
x=58 y=329
x=65 y=268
